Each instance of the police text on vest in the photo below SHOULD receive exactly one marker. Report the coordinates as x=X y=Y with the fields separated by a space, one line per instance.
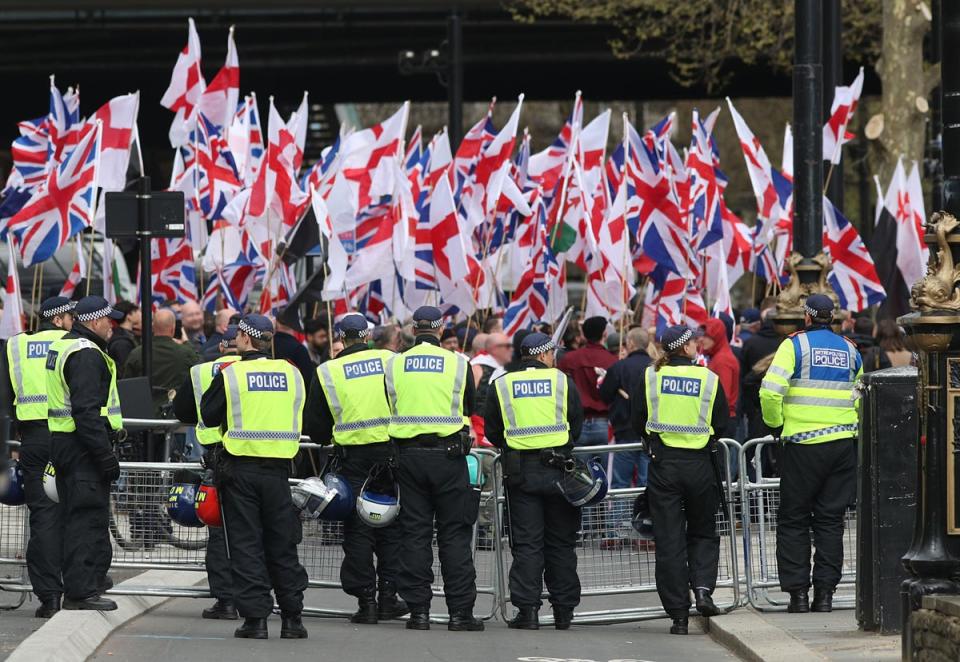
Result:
x=533 y=388
x=423 y=364
x=831 y=358
x=363 y=368
x=38 y=349
x=680 y=386
x=266 y=381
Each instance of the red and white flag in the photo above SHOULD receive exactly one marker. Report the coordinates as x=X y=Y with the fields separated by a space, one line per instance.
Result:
x=844 y=105
x=76 y=274
x=219 y=100
x=11 y=323
x=119 y=117
x=186 y=87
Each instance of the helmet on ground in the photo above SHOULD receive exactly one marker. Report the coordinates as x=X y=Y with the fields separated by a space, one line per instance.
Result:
x=642 y=520
x=379 y=501
x=207 y=503
x=50 y=482
x=585 y=484
x=12 y=493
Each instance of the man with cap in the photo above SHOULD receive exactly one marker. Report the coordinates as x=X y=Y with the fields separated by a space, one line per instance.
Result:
x=186 y=406
x=83 y=416
x=347 y=404
x=678 y=408
x=534 y=415
x=808 y=401
x=257 y=404
x=431 y=398
x=26 y=357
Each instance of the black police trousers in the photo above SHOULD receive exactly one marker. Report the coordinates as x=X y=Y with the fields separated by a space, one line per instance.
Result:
x=85 y=516
x=46 y=545
x=358 y=575
x=817 y=484
x=433 y=485
x=543 y=535
x=263 y=530
x=683 y=496
x=219 y=575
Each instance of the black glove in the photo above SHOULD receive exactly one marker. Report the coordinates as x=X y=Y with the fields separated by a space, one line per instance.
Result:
x=776 y=432
x=109 y=467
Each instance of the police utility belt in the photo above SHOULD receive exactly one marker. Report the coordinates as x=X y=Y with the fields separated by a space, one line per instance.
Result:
x=375 y=449
x=455 y=445
x=559 y=458
x=657 y=450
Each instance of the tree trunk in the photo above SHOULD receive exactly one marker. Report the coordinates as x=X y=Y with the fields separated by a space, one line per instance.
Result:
x=905 y=79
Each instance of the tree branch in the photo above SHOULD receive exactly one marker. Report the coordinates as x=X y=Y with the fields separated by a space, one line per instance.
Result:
x=931 y=79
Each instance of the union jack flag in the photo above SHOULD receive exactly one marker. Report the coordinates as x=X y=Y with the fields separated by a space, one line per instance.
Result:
x=217 y=178
x=29 y=152
x=173 y=271
x=854 y=276
x=530 y=300
x=61 y=207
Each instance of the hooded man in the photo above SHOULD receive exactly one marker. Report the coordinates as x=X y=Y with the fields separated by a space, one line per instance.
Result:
x=722 y=363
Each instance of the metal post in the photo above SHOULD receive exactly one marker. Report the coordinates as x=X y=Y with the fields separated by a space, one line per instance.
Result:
x=455 y=84
x=146 y=290
x=807 y=129
x=832 y=77
x=934 y=146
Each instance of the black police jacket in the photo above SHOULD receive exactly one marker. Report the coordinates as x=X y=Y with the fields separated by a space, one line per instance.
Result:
x=88 y=378
x=493 y=417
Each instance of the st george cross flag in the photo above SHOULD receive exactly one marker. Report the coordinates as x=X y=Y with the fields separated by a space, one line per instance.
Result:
x=186 y=86
x=61 y=207
x=219 y=100
x=12 y=321
x=119 y=118
x=841 y=111
x=77 y=273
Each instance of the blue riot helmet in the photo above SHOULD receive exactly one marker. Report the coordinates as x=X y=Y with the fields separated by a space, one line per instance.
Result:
x=583 y=483
x=12 y=493
x=642 y=520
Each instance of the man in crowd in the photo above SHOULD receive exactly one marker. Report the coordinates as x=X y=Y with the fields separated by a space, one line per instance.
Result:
x=580 y=365
x=750 y=323
x=126 y=334
x=387 y=337
x=318 y=340
x=211 y=348
x=449 y=340
x=286 y=346
x=715 y=346
x=191 y=314
x=171 y=360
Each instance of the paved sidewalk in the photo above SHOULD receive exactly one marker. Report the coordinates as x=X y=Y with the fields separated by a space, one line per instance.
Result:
x=787 y=637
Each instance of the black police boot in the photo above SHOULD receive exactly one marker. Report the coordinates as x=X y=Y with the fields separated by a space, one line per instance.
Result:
x=367 y=607
x=252 y=628
x=419 y=619
x=291 y=627
x=48 y=607
x=526 y=619
x=680 y=625
x=93 y=603
x=822 y=600
x=799 y=602
x=463 y=620
x=389 y=606
x=222 y=610
x=562 y=617
x=705 y=602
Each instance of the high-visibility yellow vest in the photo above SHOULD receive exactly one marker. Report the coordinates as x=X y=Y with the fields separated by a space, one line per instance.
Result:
x=533 y=404
x=353 y=386
x=680 y=404
x=264 y=408
x=809 y=388
x=201 y=376
x=59 y=413
x=27 y=363
x=426 y=386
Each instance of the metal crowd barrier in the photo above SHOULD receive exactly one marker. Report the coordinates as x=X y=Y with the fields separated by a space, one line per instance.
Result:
x=618 y=578
x=615 y=566
x=759 y=501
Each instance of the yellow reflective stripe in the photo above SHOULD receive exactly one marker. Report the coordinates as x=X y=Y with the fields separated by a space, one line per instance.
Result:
x=776 y=387
x=323 y=371
x=389 y=381
x=504 y=392
x=778 y=371
x=561 y=382
x=821 y=384
x=814 y=401
x=14 y=351
x=298 y=394
x=804 y=342
x=458 y=383
x=233 y=392
x=707 y=400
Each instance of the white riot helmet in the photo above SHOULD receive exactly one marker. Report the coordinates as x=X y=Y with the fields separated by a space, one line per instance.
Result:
x=379 y=502
x=50 y=482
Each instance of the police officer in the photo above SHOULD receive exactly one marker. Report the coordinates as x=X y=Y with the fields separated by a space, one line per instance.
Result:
x=807 y=401
x=677 y=407
x=257 y=403
x=431 y=398
x=348 y=404
x=26 y=357
x=83 y=414
x=532 y=415
x=186 y=405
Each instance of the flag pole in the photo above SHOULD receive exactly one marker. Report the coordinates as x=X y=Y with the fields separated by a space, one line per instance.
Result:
x=93 y=210
x=33 y=295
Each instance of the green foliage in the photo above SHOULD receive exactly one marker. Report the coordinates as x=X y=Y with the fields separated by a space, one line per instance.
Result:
x=703 y=40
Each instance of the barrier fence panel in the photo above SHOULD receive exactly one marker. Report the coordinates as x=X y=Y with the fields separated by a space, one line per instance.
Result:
x=615 y=566
x=321 y=554
x=760 y=501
